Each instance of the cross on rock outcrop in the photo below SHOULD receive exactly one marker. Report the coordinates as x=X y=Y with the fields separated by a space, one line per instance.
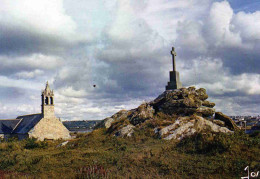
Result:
x=173 y=58
x=174 y=82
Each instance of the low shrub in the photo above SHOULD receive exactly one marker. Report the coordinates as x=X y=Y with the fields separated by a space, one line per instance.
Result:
x=205 y=144
x=32 y=143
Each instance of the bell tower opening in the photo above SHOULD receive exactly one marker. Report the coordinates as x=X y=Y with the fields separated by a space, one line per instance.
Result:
x=48 y=102
x=51 y=100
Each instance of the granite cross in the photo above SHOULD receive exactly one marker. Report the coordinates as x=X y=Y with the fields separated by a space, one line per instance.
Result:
x=173 y=58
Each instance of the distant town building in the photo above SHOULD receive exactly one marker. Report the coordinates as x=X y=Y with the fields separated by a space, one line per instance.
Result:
x=248 y=123
x=44 y=125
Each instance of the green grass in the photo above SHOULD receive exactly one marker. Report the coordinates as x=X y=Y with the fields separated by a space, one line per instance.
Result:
x=99 y=154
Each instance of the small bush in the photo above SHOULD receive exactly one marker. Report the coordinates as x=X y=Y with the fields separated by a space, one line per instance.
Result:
x=32 y=143
x=14 y=146
x=12 y=139
x=79 y=135
x=205 y=144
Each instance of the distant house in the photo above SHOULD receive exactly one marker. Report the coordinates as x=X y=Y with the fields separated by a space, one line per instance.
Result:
x=44 y=125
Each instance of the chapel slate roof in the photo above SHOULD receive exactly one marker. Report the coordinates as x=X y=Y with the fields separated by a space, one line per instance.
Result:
x=27 y=123
x=7 y=125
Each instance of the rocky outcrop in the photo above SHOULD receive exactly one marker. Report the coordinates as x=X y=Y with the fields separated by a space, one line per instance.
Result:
x=175 y=114
x=184 y=101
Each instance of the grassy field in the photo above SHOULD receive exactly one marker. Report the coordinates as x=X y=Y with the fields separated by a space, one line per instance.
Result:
x=99 y=155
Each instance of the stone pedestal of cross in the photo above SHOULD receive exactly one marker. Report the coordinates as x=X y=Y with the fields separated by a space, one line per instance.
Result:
x=174 y=82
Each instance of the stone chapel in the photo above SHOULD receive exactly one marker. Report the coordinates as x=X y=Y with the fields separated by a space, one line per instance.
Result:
x=44 y=125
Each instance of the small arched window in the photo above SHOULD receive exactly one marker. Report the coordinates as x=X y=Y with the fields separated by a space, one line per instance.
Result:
x=46 y=100
x=51 y=100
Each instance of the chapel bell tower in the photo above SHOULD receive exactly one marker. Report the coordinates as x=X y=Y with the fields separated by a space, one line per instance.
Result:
x=48 y=102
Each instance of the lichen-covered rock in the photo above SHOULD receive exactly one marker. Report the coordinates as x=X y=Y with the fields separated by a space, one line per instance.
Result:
x=182 y=132
x=191 y=102
x=219 y=122
x=126 y=131
x=205 y=111
x=202 y=124
x=105 y=123
x=108 y=122
x=183 y=128
x=208 y=104
x=120 y=115
x=201 y=94
x=228 y=121
x=167 y=129
x=142 y=113
x=178 y=122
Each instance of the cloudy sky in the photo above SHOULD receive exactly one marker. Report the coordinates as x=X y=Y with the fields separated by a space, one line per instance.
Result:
x=123 y=47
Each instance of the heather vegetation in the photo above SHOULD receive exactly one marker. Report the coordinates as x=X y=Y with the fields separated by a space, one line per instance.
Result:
x=102 y=155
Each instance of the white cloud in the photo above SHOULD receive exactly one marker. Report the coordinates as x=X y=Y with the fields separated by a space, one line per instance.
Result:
x=14 y=83
x=70 y=92
x=219 y=27
x=3 y=108
x=14 y=110
x=249 y=83
x=33 y=61
x=31 y=74
x=26 y=109
x=42 y=17
x=212 y=75
x=67 y=101
x=191 y=36
x=247 y=25
x=91 y=110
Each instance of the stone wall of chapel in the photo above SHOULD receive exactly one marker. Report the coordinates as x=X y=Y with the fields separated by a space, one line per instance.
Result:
x=49 y=128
